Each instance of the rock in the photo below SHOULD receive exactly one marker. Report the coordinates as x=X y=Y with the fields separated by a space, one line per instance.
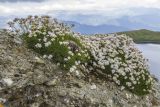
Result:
x=93 y=87
x=38 y=60
x=26 y=80
x=2 y=100
x=78 y=85
x=110 y=103
x=39 y=79
x=74 y=83
x=122 y=88
x=52 y=82
x=62 y=93
x=7 y=81
x=128 y=96
x=35 y=105
x=18 y=41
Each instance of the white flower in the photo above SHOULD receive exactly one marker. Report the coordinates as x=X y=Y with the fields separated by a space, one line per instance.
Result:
x=114 y=78
x=47 y=44
x=39 y=40
x=50 y=56
x=79 y=54
x=30 y=35
x=70 y=52
x=76 y=63
x=65 y=59
x=71 y=69
x=44 y=33
x=60 y=43
x=52 y=35
x=35 y=35
x=38 y=45
x=106 y=62
x=58 y=64
x=44 y=56
x=53 y=39
x=77 y=72
x=79 y=62
x=128 y=84
x=45 y=39
x=68 y=57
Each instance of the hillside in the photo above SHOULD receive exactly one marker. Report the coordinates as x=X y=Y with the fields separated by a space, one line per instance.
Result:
x=143 y=36
x=27 y=79
x=44 y=64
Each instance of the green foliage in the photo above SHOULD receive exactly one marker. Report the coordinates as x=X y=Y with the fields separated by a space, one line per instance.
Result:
x=52 y=39
x=115 y=56
x=143 y=36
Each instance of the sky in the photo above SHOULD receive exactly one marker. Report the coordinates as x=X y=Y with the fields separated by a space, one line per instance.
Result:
x=93 y=12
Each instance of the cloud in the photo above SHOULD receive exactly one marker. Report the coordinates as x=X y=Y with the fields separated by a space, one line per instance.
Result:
x=97 y=11
x=78 y=6
x=21 y=1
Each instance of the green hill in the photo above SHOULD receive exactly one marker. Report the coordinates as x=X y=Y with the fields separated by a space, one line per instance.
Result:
x=143 y=36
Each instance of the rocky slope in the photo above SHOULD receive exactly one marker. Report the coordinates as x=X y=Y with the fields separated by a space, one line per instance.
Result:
x=28 y=80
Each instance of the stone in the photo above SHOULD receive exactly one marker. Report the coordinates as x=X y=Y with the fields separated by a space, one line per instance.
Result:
x=128 y=96
x=52 y=82
x=93 y=87
x=39 y=79
x=2 y=100
x=35 y=105
x=26 y=80
x=39 y=60
x=18 y=41
x=62 y=93
x=7 y=81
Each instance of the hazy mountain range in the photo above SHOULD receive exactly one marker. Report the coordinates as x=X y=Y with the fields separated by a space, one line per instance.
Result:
x=124 y=23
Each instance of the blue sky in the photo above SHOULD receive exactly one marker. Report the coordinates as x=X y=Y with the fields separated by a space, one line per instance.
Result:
x=91 y=12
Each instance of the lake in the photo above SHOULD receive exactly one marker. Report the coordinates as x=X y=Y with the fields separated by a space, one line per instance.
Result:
x=152 y=52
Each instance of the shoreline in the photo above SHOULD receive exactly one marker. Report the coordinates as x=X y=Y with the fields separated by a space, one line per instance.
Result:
x=148 y=42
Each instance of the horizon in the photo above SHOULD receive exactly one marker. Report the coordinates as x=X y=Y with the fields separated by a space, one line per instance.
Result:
x=121 y=16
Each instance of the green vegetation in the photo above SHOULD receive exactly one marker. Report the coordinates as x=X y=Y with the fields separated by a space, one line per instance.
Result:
x=143 y=36
x=115 y=56
x=120 y=60
x=52 y=39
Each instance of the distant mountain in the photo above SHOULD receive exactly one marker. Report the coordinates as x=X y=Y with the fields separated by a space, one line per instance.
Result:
x=93 y=24
x=143 y=36
x=91 y=29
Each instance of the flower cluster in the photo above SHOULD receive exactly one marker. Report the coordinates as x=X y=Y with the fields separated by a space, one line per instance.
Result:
x=52 y=39
x=117 y=56
x=113 y=55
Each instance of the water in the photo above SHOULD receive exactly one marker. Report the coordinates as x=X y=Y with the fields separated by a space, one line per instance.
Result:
x=152 y=52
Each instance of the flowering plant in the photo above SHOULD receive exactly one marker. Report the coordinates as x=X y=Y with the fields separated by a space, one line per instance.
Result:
x=52 y=39
x=113 y=55
x=116 y=56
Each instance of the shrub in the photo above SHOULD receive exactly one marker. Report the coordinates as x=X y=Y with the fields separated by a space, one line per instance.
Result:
x=117 y=57
x=52 y=39
x=113 y=55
